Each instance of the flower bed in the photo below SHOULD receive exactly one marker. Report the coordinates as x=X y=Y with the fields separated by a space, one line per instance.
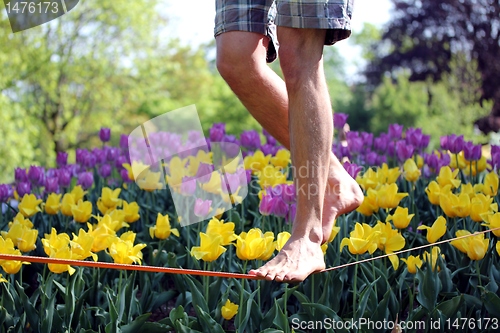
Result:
x=96 y=209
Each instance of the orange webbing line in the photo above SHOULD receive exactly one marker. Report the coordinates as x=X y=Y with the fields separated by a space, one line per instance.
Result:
x=142 y=268
x=407 y=250
x=185 y=271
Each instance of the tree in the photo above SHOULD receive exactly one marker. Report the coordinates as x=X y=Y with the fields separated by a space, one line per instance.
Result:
x=424 y=35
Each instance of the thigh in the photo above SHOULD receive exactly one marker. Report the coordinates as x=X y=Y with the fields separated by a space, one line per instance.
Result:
x=247 y=15
x=332 y=15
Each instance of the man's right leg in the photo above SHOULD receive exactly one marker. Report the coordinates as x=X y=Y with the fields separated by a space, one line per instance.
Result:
x=241 y=61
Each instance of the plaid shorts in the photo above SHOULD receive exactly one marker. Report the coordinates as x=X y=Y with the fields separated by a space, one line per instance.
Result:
x=262 y=16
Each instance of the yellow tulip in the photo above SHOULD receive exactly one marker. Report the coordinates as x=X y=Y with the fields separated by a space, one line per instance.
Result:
x=334 y=232
x=109 y=200
x=436 y=231
x=29 y=205
x=214 y=185
x=210 y=248
x=281 y=239
x=361 y=240
x=224 y=229
x=448 y=201
x=434 y=191
x=2 y=279
x=462 y=207
x=229 y=310
x=54 y=241
x=103 y=236
x=21 y=220
x=493 y=222
x=401 y=219
x=461 y=244
x=411 y=171
x=162 y=229
x=78 y=193
x=462 y=163
x=480 y=206
x=270 y=176
x=448 y=177
x=68 y=201
x=82 y=211
x=131 y=211
x=150 y=182
x=135 y=170
x=369 y=204
x=123 y=250
x=53 y=203
x=432 y=257
x=388 y=196
x=81 y=245
x=490 y=184
x=369 y=180
x=255 y=245
x=7 y=247
x=475 y=168
x=63 y=253
x=389 y=240
x=477 y=246
x=281 y=159
x=24 y=238
x=386 y=175
x=257 y=161
x=412 y=263
x=194 y=161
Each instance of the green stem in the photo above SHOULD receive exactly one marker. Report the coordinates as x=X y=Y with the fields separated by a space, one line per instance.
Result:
x=373 y=272
x=354 y=301
x=206 y=281
x=478 y=271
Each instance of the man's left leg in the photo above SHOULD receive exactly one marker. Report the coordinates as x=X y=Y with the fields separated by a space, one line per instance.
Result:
x=311 y=132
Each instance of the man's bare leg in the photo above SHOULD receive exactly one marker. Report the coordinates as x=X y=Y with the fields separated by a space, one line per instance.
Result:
x=241 y=60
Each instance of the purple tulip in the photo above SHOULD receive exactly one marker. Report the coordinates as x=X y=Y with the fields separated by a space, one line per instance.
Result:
x=354 y=142
x=292 y=211
x=391 y=148
x=289 y=194
x=61 y=159
x=6 y=192
x=472 y=152
x=404 y=151
x=52 y=185
x=455 y=143
x=380 y=143
x=105 y=170
x=204 y=172
x=352 y=169
x=268 y=149
x=381 y=159
x=124 y=142
x=81 y=155
x=124 y=175
x=231 y=182
x=36 y=175
x=371 y=158
x=339 y=120
x=112 y=153
x=265 y=204
x=188 y=186
x=202 y=207
x=395 y=131
x=367 y=139
x=250 y=139
x=233 y=148
x=64 y=177
x=217 y=132
x=23 y=188
x=105 y=134
x=86 y=180
x=414 y=136
x=20 y=175
x=99 y=155
x=279 y=207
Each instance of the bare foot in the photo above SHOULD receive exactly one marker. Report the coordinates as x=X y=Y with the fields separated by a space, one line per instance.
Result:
x=299 y=258
x=342 y=196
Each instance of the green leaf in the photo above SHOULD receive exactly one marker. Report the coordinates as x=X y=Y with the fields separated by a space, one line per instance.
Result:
x=136 y=324
x=244 y=315
x=492 y=303
x=428 y=288
x=31 y=313
x=198 y=299
x=208 y=323
x=450 y=307
x=326 y=312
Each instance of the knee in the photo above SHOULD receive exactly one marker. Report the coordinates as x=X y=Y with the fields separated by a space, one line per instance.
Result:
x=235 y=66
